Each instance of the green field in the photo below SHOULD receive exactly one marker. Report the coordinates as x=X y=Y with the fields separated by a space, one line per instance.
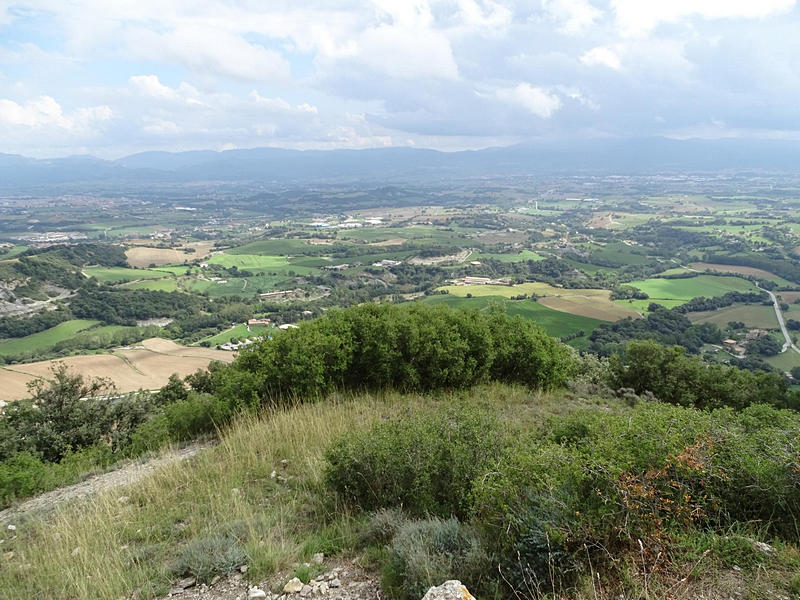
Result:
x=249 y=261
x=120 y=274
x=525 y=255
x=12 y=252
x=682 y=290
x=621 y=254
x=273 y=247
x=785 y=360
x=752 y=315
x=45 y=339
x=158 y=285
x=240 y=331
x=554 y=322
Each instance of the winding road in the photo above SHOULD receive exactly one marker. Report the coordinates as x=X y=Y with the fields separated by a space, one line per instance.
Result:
x=789 y=343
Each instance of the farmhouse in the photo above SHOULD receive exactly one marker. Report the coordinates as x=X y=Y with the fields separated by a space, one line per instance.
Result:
x=482 y=281
x=387 y=263
x=258 y=322
x=754 y=334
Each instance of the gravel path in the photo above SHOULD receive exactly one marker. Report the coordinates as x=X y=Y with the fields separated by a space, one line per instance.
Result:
x=127 y=474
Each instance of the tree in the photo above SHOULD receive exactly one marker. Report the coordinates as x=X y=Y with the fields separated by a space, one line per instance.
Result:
x=60 y=415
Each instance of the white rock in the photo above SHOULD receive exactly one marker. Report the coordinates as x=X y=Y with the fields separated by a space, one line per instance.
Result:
x=318 y=558
x=255 y=593
x=449 y=590
x=323 y=588
x=306 y=591
x=335 y=583
x=764 y=548
x=12 y=527
x=243 y=569
x=273 y=475
x=76 y=551
x=293 y=586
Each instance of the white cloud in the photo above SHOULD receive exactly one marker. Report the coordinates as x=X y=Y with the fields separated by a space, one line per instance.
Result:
x=602 y=55
x=280 y=105
x=406 y=53
x=159 y=127
x=638 y=17
x=44 y=111
x=573 y=16
x=533 y=99
x=210 y=50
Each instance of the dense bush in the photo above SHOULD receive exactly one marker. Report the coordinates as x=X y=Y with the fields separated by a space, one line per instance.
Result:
x=408 y=348
x=673 y=377
x=423 y=463
x=548 y=505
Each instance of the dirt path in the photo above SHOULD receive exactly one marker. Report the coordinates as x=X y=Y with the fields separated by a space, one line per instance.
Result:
x=125 y=475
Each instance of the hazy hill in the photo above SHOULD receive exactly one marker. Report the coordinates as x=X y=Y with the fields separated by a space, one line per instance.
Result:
x=606 y=156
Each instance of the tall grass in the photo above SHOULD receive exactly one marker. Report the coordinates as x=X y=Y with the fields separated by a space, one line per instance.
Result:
x=130 y=539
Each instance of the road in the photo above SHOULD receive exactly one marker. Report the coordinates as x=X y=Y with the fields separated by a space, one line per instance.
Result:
x=789 y=343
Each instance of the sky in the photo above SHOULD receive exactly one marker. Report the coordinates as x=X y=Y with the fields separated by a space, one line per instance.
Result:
x=114 y=77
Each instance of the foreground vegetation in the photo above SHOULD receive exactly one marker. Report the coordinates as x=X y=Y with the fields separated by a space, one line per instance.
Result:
x=429 y=444
x=570 y=498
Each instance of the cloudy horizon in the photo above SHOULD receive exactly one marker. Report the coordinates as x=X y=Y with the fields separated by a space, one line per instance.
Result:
x=114 y=78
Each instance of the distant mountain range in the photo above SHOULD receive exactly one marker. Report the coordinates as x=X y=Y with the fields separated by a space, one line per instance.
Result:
x=606 y=156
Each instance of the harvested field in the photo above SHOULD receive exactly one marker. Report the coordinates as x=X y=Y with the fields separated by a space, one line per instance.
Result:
x=142 y=256
x=147 y=366
x=391 y=242
x=594 y=307
x=788 y=297
x=701 y=266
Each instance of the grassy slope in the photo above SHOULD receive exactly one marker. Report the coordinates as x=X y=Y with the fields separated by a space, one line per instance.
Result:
x=45 y=339
x=129 y=545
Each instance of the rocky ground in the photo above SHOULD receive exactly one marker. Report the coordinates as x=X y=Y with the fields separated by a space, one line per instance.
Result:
x=339 y=581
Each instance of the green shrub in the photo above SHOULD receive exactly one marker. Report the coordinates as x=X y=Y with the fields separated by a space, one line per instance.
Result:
x=599 y=483
x=150 y=436
x=178 y=422
x=23 y=474
x=424 y=463
x=427 y=553
x=200 y=413
x=413 y=347
x=20 y=475
x=204 y=558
